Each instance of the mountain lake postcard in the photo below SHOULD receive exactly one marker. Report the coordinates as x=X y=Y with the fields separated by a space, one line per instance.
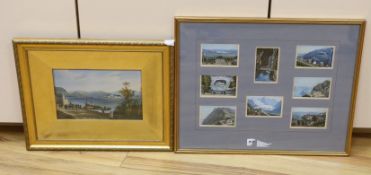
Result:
x=302 y=117
x=264 y=106
x=98 y=94
x=312 y=87
x=221 y=55
x=315 y=56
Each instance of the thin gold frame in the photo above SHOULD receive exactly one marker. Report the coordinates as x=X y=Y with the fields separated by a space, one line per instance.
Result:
x=185 y=19
x=161 y=47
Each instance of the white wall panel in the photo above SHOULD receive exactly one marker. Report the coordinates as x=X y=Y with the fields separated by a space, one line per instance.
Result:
x=146 y=19
x=338 y=9
x=25 y=18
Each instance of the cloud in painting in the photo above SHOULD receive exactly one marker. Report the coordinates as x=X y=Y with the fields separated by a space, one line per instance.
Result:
x=96 y=80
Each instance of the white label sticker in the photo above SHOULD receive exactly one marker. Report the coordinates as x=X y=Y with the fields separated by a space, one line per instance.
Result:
x=252 y=142
x=169 y=42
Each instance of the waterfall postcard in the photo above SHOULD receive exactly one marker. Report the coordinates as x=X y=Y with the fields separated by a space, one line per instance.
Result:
x=98 y=94
x=266 y=65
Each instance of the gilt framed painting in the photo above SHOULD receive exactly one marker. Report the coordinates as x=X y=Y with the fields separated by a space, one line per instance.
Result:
x=95 y=95
x=266 y=86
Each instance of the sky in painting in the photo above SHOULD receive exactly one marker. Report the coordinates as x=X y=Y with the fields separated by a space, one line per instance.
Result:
x=309 y=110
x=96 y=80
x=309 y=81
x=306 y=49
x=220 y=46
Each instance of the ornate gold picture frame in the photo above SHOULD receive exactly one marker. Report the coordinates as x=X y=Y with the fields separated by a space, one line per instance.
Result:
x=95 y=94
x=297 y=85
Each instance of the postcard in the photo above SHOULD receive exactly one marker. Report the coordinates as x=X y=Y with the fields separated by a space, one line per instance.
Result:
x=266 y=65
x=303 y=117
x=218 y=86
x=264 y=106
x=219 y=55
x=312 y=87
x=315 y=57
x=217 y=116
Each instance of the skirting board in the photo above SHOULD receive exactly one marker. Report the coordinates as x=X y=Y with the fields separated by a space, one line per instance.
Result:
x=10 y=124
x=362 y=130
x=11 y=127
x=19 y=126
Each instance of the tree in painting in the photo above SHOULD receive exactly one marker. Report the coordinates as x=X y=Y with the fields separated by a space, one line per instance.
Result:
x=130 y=107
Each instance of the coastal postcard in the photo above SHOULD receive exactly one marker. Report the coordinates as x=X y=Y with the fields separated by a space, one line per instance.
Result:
x=98 y=94
x=315 y=57
x=218 y=86
x=217 y=116
x=264 y=106
x=219 y=55
x=266 y=65
x=312 y=87
x=303 y=117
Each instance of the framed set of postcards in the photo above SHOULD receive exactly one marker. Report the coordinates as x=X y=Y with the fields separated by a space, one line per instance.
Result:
x=95 y=94
x=269 y=86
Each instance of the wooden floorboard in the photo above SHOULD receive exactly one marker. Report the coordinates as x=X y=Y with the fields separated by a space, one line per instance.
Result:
x=15 y=160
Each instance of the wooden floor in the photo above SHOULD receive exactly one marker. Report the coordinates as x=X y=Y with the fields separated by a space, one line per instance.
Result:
x=14 y=160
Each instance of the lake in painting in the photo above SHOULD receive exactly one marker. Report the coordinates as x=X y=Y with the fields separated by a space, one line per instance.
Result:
x=98 y=94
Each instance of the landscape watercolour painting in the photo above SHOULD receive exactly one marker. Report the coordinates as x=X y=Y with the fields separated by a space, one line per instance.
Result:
x=98 y=94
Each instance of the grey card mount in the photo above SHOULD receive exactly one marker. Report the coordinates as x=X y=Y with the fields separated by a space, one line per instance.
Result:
x=266 y=86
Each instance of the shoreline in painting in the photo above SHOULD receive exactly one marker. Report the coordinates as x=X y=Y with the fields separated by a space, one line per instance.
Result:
x=98 y=94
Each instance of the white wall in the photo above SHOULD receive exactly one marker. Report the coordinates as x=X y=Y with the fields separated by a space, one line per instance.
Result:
x=25 y=18
x=338 y=9
x=146 y=19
